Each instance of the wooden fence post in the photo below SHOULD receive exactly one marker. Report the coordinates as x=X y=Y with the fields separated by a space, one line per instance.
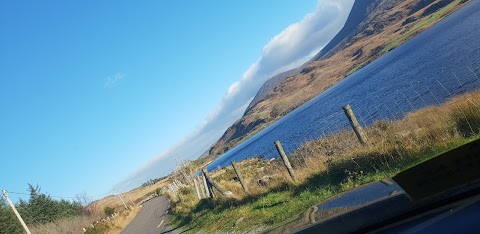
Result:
x=285 y=160
x=205 y=184
x=196 y=189
x=240 y=177
x=211 y=183
x=355 y=125
x=174 y=185
x=200 y=186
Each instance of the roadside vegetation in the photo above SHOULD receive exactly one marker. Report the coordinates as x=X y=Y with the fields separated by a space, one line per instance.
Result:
x=115 y=225
x=44 y=214
x=39 y=210
x=326 y=167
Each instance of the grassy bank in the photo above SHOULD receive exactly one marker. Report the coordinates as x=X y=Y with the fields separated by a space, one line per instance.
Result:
x=328 y=166
x=424 y=23
x=418 y=26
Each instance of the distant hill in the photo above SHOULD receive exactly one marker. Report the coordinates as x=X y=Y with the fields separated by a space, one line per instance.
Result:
x=373 y=28
x=270 y=84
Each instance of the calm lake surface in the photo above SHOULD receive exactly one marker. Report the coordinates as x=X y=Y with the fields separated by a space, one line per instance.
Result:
x=441 y=62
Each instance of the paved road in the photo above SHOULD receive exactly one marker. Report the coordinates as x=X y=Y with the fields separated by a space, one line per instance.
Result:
x=152 y=219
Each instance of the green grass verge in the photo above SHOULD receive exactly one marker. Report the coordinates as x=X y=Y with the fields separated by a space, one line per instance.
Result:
x=428 y=20
x=357 y=67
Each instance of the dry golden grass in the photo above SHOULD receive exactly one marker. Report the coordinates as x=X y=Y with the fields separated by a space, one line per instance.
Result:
x=65 y=226
x=76 y=224
x=123 y=219
x=137 y=195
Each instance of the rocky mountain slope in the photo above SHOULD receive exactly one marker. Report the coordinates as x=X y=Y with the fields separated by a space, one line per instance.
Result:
x=373 y=28
x=358 y=13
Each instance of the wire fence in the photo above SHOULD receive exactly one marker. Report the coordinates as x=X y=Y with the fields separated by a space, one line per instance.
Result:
x=389 y=105
x=398 y=124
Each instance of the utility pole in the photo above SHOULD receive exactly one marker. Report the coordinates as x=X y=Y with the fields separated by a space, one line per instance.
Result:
x=118 y=194
x=130 y=199
x=16 y=212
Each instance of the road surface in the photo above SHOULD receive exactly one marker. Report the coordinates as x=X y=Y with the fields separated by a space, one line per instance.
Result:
x=152 y=219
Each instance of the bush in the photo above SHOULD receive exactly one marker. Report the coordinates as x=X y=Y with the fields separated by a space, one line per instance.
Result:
x=158 y=192
x=185 y=190
x=109 y=211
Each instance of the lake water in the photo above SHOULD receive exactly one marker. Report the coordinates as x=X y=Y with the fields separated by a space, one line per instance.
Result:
x=441 y=62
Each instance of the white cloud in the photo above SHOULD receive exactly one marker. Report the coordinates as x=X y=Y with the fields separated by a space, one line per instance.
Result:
x=289 y=49
x=114 y=79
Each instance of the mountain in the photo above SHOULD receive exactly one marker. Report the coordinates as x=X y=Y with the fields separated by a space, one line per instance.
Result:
x=373 y=28
x=358 y=13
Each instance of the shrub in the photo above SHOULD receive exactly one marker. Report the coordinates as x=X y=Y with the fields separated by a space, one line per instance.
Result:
x=185 y=190
x=109 y=210
x=158 y=192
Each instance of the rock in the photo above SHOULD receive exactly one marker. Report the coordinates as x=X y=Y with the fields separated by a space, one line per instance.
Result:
x=240 y=220
x=264 y=181
x=403 y=133
x=228 y=194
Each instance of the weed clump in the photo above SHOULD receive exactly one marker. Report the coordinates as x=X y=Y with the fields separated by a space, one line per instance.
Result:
x=466 y=118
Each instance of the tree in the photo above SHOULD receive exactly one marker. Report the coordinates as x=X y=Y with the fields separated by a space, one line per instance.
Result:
x=40 y=208
x=8 y=222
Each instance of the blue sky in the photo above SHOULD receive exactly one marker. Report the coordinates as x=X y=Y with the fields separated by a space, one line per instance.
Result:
x=100 y=94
